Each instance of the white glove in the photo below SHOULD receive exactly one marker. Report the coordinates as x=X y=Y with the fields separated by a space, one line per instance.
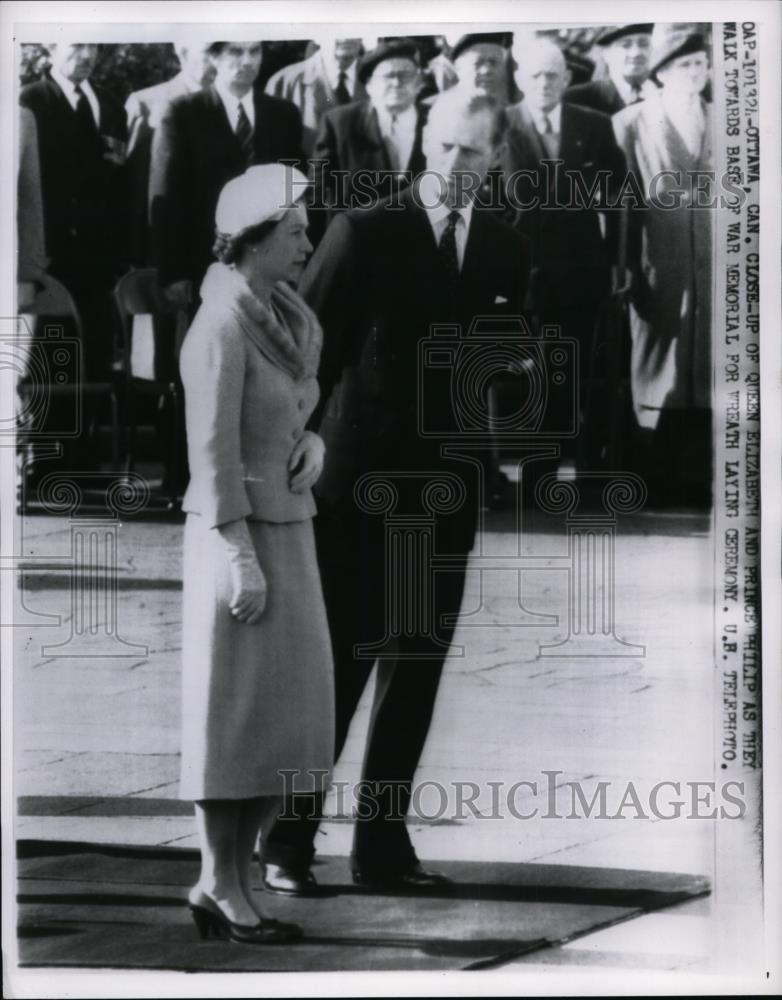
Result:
x=249 y=584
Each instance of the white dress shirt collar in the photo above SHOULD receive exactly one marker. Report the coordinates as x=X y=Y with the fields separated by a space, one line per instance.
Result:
x=69 y=89
x=231 y=104
x=429 y=192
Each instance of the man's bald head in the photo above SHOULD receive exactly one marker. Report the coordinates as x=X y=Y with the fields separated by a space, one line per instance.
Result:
x=542 y=73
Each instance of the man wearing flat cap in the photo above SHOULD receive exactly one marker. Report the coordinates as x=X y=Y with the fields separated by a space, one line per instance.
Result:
x=625 y=49
x=367 y=150
x=203 y=141
x=378 y=282
x=483 y=67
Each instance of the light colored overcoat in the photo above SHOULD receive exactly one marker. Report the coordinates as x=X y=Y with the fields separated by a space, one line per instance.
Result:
x=307 y=85
x=671 y=311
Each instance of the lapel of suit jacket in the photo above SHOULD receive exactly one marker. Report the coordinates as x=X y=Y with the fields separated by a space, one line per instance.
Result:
x=524 y=142
x=220 y=123
x=475 y=273
x=105 y=123
x=612 y=96
x=571 y=142
x=58 y=97
x=261 y=130
x=370 y=136
x=417 y=242
x=417 y=161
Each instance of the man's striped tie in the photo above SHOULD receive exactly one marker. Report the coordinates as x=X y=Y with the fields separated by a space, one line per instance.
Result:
x=244 y=133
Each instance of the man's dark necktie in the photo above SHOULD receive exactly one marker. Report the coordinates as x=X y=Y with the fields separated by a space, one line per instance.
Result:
x=447 y=250
x=244 y=133
x=635 y=95
x=87 y=124
x=341 y=91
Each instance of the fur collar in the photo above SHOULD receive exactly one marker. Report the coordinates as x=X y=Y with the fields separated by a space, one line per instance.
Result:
x=287 y=332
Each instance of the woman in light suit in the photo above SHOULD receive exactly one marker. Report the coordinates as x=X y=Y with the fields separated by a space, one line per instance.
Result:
x=257 y=687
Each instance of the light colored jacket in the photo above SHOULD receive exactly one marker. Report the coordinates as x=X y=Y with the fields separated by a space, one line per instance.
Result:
x=671 y=365
x=249 y=374
x=306 y=84
x=146 y=107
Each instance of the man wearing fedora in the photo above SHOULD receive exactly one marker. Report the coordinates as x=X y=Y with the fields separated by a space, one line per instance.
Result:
x=378 y=282
x=625 y=49
x=367 y=150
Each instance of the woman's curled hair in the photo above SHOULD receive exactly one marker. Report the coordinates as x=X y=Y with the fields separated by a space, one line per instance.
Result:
x=228 y=248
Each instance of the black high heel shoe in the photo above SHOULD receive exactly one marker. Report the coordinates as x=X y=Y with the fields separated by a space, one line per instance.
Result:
x=210 y=921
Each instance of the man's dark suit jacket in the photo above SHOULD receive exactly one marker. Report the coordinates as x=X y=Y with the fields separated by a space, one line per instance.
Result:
x=195 y=152
x=568 y=234
x=377 y=285
x=349 y=139
x=600 y=95
x=84 y=194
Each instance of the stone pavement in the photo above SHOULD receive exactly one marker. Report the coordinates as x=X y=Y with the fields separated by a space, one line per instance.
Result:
x=96 y=736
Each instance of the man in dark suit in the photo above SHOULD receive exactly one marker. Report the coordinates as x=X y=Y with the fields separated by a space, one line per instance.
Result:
x=626 y=50
x=369 y=149
x=378 y=282
x=81 y=140
x=560 y=165
x=82 y=137
x=203 y=141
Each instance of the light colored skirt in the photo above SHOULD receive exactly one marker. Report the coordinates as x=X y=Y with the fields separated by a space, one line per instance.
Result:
x=256 y=699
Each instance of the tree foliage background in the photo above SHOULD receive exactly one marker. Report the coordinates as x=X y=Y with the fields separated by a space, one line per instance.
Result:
x=125 y=68
x=120 y=68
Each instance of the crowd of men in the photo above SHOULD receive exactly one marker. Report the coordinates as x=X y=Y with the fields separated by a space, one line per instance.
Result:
x=103 y=188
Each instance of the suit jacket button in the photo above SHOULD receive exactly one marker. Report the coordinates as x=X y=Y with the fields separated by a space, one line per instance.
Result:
x=301 y=404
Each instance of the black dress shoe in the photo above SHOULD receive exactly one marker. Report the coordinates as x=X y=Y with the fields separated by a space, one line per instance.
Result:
x=413 y=878
x=289 y=881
